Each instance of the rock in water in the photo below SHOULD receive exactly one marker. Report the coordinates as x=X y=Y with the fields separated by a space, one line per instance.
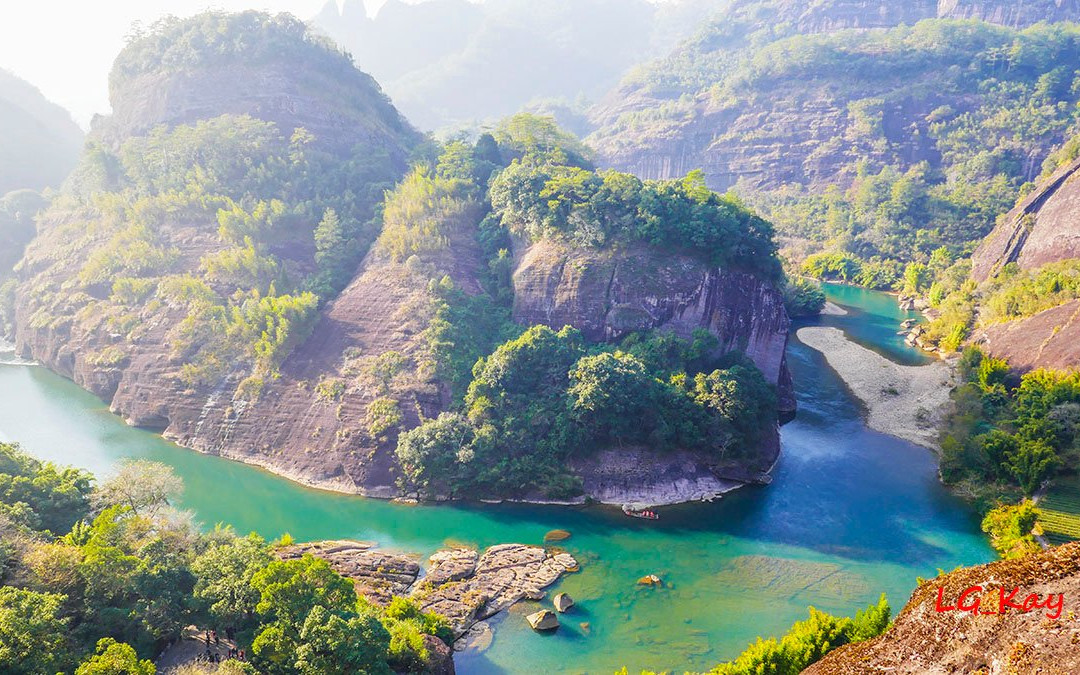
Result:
x=563 y=602
x=649 y=580
x=543 y=620
x=556 y=535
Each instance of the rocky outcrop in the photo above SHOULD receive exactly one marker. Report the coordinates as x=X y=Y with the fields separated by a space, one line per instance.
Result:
x=611 y=293
x=636 y=475
x=1040 y=230
x=461 y=585
x=926 y=641
x=1010 y=12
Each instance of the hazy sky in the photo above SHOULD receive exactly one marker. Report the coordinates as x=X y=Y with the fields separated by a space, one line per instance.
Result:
x=66 y=47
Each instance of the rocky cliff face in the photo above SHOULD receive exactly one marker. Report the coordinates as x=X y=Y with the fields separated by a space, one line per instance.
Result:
x=926 y=641
x=610 y=294
x=1041 y=229
x=1010 y=13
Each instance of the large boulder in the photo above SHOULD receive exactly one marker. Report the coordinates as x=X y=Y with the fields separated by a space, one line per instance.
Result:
x=543 y=620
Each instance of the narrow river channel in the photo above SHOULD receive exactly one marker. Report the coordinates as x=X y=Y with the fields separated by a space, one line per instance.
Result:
x=850 y=514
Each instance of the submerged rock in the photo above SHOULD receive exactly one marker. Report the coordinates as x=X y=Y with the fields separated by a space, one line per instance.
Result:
x=563 y=602
x=556 y=535
x=650 y=580
x=543 y=620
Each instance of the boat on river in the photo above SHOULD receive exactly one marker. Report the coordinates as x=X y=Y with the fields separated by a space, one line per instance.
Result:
x=640 y=511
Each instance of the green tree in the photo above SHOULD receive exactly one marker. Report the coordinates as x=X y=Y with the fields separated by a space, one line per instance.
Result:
x=331 y=644
x=33 y=632
x=115 y=658
x=1031 y=463
x=1010 y=528
x=611 y=394
x=224 y=575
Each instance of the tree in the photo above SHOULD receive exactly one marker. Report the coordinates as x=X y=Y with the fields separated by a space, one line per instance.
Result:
x=288 y=589
x=1010 y=528
x=611 y=394
x=115 y=658
x=1031 y=463
x=33 y=632
x=333 y=645
x=224 y=574
x=143 y=486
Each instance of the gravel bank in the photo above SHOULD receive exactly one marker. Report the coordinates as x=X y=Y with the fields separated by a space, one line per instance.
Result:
x=902 y=401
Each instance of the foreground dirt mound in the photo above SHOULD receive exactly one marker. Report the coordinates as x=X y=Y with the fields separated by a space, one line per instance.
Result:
x=926 y=640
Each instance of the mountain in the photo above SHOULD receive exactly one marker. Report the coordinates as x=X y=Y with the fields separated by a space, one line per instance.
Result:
x=769 y=96
x=40 y=143
x=924 y=640
x=245 y=261
x=879 y=130
x=450 y=63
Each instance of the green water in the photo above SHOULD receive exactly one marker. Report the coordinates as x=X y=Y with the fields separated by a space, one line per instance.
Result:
x=851 y=513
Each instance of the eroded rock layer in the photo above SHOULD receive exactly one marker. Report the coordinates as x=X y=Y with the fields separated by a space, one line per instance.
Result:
x=931 y=642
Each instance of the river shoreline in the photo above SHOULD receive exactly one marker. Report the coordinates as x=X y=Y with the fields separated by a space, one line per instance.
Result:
x=902 y=401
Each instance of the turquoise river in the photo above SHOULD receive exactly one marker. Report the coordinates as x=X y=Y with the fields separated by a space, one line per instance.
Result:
x=850 y=514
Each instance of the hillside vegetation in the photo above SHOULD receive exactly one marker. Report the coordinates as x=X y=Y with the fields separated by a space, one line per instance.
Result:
x=885 y=144
x=100 y=577
x=521 y=409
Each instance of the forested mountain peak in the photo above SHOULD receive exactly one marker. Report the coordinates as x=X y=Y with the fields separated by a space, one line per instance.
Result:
x=274 y=68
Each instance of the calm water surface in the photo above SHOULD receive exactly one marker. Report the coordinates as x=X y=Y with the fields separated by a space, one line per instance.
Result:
x=851 y=513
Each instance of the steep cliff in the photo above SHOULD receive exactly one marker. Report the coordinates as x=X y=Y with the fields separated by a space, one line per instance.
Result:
x=612 y=293
x=1041 y=229
x=926 y=641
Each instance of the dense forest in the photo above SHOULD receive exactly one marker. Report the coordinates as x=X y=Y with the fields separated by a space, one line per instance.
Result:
x=98 y=577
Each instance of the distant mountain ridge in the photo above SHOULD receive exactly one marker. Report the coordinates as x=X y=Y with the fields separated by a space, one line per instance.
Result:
x=450 y=63
x=39 y=142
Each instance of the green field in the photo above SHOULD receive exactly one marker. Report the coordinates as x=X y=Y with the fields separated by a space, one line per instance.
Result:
x=1060 y=511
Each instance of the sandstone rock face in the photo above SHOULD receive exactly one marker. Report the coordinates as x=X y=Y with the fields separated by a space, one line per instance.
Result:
x=1050 y=339
x=610 y=294
x=1043 y=228
x=378 y=575
x=1009 y=12
x=926 y=641
x=636 y=475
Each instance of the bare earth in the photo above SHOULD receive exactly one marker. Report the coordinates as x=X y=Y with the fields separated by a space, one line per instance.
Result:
x=902 y=401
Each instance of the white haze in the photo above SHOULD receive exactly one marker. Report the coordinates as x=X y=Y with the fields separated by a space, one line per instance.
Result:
x=66 y=47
